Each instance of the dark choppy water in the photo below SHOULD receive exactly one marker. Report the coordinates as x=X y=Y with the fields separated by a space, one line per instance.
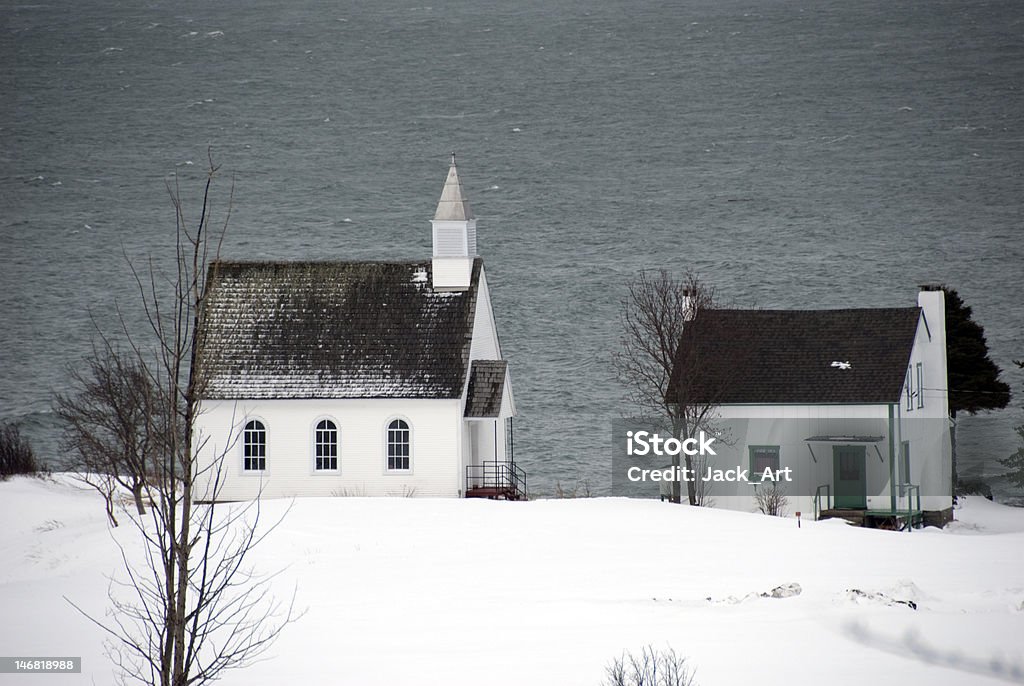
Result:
x=797 y=154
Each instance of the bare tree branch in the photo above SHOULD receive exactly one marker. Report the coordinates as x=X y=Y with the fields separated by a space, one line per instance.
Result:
x=194 y=607
x=109 y=436
x=651 y=364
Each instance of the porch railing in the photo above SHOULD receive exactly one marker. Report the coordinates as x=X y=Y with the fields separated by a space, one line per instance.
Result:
x=910 y=490
x=817 y=500
x=496 y=480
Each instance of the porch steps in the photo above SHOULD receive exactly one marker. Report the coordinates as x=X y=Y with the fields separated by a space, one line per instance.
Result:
x=876 y=519
x=496 y=481
x=855 y=517
x=494 y=493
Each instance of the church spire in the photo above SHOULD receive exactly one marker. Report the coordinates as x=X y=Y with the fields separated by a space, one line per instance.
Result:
x=453 y=205
x=454 y=232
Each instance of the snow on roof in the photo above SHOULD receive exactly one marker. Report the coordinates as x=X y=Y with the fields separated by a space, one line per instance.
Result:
x=333 y=330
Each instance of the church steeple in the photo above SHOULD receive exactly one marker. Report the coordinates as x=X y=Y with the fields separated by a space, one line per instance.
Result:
x=454 y=233
x=453 y=205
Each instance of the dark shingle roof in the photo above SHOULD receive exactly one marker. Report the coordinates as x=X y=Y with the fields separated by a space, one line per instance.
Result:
x=334 y=330
x=486 y=383
x=786 y=356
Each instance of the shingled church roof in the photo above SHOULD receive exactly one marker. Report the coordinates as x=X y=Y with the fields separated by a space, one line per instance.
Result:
x=334 y=330
x=486 y=385
x=856 y=356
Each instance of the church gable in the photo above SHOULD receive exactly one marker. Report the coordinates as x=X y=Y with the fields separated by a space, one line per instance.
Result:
x=335 y=330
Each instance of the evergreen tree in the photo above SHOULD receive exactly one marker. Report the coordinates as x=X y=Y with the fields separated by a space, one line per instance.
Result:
x=972 y=377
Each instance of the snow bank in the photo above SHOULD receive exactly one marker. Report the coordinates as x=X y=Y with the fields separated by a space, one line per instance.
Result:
x=975 y=514
x=420 y=591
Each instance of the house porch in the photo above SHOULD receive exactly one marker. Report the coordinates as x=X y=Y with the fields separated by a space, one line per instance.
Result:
x=491 y=471
x=877 y=519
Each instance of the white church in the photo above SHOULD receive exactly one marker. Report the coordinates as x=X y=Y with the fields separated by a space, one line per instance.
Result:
x=357 y=378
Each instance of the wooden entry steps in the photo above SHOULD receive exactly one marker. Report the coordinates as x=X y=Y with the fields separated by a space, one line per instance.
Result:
x=877 y=519
x=496 y=481
x=494 y=493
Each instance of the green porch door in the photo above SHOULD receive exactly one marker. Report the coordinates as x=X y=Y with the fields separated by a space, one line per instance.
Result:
x=850 y=477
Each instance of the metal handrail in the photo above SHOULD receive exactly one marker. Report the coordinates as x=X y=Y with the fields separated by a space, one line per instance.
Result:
x=519 y=477
x=818 y=509
x=498 y=475
x=910 y=490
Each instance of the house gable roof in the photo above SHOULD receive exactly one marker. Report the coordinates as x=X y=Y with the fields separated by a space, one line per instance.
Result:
x=334 y=330
x=796 y=356
x=486 y=387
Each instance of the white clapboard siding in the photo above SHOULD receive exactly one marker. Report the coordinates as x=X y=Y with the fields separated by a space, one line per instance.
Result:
x=362 y=424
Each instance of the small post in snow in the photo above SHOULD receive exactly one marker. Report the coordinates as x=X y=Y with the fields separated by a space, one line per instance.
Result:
x=798 y=520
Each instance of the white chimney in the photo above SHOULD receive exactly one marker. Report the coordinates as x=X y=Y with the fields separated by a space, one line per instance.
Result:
x=688 y=305
x=932 y=301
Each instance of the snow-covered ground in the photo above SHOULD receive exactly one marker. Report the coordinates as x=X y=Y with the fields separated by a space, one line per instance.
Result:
x=421 y=591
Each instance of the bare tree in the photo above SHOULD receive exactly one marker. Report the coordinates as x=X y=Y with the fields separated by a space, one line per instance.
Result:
x=110 y=434
x=654 y=316
x=194 y=608
x=702 y=490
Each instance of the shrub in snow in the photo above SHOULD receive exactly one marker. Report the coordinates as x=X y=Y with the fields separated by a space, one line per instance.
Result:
x=16 y=456
x=581 y=489
x=771 y=499
x=650 y=668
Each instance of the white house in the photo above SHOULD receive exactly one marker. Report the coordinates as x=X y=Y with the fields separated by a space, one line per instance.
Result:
x=852 y=401
x=357 y=378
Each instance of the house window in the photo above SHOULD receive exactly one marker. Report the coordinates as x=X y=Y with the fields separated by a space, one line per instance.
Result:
x=763 y=457
x=326 y=446
x=904 y=472
x=920 y=386
x=398 y=445
x=254 y=446
x=910 y=391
